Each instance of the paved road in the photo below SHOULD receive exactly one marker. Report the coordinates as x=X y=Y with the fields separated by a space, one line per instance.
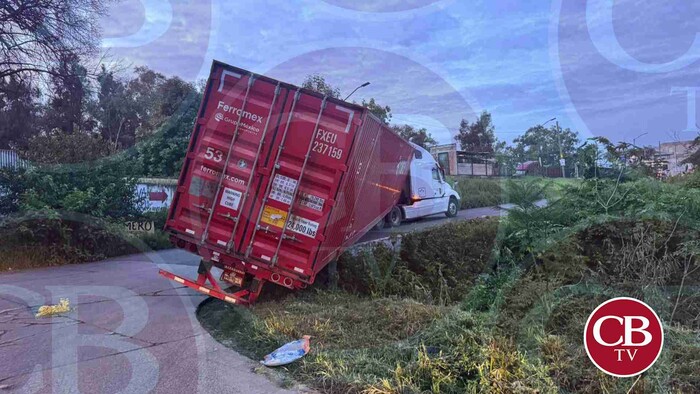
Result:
x=434 y=220
x=131 y=330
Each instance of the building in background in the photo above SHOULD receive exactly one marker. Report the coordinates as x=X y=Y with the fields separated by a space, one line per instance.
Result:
x=458 y=162
x=674 y=153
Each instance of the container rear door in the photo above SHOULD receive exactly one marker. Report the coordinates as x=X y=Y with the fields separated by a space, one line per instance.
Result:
x=232 y=141
x=291 y=211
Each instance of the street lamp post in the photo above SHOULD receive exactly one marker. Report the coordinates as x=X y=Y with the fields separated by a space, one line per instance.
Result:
x=562 y=161
x=351 y=93
x=634 y=140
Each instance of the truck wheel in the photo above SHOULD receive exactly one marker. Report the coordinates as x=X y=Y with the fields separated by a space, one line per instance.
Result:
x=394 y=217
x=452 y=208
x=380 y=225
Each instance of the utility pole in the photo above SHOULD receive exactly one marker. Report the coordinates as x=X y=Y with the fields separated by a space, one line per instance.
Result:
x=562 y=161
x=540 y=156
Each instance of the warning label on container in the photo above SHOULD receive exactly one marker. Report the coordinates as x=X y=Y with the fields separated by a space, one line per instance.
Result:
x=303 y=226
x=231 y=198
x=273 y=216
x=311 y=201
x=277 y=217
x=283 y=189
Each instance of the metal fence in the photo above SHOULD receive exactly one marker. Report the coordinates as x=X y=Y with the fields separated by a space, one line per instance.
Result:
x=10 y=159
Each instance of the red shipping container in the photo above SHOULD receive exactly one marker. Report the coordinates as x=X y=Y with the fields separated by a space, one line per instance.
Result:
x=278 y=181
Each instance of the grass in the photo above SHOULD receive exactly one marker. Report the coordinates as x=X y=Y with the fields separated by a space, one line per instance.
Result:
x=496 y=307
x=487 y=192
x=385 y=345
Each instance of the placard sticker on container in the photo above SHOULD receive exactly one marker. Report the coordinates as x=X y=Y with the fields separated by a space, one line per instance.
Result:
x=273 y=216
x=231 y=198
x=283 y=189
x=303 y=226
x=311 y=201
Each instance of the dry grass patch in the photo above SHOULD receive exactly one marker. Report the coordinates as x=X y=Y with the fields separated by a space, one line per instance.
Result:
x=343 y=321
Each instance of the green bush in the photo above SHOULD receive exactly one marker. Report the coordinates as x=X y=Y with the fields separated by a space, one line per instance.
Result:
x=479 y=192
x=47 y=238
x=437 y=266
x=103 y=189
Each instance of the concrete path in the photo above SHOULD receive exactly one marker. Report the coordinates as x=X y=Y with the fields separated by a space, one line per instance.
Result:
x=132 y=331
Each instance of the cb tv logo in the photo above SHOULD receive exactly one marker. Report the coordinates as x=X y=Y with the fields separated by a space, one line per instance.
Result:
x=623 y=337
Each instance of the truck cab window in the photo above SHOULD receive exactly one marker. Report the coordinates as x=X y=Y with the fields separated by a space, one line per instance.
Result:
x=417 y=154
x=436 y=174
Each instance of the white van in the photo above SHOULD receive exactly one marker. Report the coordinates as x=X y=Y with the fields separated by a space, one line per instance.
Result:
x=426 y=192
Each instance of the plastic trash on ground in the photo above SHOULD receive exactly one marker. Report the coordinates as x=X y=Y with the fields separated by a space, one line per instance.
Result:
x=288 y=353
x=50 y=310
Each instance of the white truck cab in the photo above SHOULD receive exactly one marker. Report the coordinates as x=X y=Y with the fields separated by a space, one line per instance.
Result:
x=426 y=193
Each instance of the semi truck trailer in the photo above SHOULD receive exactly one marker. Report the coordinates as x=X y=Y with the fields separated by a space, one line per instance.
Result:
x=279 y=180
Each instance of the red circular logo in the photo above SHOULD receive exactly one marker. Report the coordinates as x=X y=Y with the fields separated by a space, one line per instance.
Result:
x=623 y=337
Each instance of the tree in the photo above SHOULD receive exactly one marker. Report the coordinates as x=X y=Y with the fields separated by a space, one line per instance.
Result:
x=69 y=97
x=37 y=35
x=18 y=112
x=626 y=155
x=694 y=157
x=419 y=137
x=163 y=153
x=382 y=112
x=588 y=157
x=317 y=83
x=114 y=111
x=505 y=158
x=540 y=143
x=57 y=147
x=478 y=136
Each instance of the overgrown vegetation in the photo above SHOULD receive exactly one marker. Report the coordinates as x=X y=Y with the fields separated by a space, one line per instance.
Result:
x=47 y=238
x=54 y=215
x=489 y=192
x=508 y=299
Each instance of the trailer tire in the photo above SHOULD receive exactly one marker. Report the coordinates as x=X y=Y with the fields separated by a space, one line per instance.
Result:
x=380 y=225
x=394 y=217
x=452 y=208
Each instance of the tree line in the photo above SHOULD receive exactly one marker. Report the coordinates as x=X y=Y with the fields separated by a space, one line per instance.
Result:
x=59 y=105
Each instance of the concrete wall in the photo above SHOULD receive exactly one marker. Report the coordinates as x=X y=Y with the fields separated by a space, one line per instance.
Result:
x=477 y=169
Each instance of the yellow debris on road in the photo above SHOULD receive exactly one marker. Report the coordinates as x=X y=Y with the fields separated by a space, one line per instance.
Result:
x=50 y=310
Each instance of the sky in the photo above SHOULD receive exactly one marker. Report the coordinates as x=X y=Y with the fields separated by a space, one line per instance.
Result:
x=623 y=69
